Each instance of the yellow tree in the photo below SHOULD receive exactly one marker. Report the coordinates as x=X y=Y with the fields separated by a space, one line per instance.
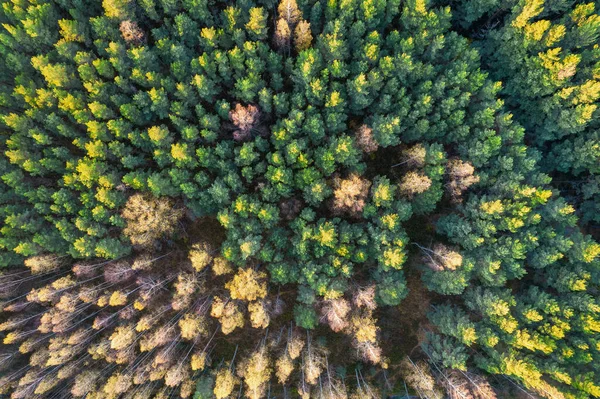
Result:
x=256 y=371
x=201 y=255
x=248 y=285
x=349 y=195
x=149 y=218
x=413 y=183
x=461 y=176
x=302 y=36
x=225 y=383
x=228 y=313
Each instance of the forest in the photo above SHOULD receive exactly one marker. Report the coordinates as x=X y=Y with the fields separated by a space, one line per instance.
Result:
x=315 y=199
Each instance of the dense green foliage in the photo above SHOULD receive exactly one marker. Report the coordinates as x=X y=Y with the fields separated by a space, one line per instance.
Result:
x=332 y=141
x=546 y=53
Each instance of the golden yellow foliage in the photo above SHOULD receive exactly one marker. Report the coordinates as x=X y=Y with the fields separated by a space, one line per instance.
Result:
x=117 y=298
x=149 y=218
x=122 y=337
x=43 y=263
x=302 y=36
x=288 y=10
x=221 y=266
x=259 y=317
x=413 y=183
x=225 y=383
x=201 y=255
x=284 y=367
x=350 y=195
x=192 y=326
x=228 y=314
x=248 y=285
x=256 y=371
x=198 y=361
x=282 y=34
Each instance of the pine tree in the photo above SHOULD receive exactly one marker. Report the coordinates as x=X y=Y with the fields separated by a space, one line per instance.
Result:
x=257 y=24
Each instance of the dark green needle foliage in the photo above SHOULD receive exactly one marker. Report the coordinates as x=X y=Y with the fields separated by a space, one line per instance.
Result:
x=546 y=54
